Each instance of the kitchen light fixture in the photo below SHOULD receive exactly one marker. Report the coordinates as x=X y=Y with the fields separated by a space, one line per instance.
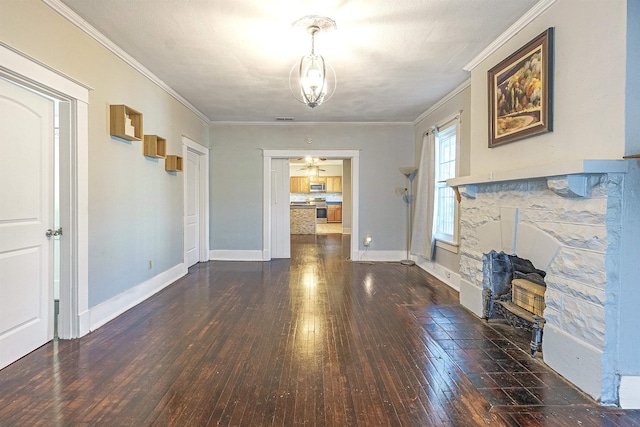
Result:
x=311 y=168
x=313 y=80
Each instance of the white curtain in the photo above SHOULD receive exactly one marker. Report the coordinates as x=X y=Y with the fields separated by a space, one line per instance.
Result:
x=422 y=239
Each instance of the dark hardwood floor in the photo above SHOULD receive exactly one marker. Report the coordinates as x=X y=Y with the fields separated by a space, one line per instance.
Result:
x=315 y=340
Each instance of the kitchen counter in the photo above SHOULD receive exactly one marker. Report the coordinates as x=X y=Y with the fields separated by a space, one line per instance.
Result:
x=303 y=219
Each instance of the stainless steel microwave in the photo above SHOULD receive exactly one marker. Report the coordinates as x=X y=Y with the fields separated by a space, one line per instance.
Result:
x=317 y=187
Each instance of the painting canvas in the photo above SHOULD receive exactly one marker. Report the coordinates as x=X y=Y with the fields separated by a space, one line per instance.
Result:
x=520 y=98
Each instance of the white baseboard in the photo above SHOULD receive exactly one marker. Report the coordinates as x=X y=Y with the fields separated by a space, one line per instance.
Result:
x=448 y=277
x=84 y=323
x=112 y=308
x=629 y=392
x=575 y=360
x=471 y=297
x=380 y=256
x=228 y=255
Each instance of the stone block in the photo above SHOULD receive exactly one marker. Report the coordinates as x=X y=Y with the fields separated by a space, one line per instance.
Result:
x=580 y=211
x=591 y=237
x=553 y=300
x=584 y=321
x=580 y=265
x=588 y=293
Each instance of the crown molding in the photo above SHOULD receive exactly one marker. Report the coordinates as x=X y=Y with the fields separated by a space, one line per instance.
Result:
x=293 y=123
x=443 y=101
x=514 y=29
x=67 y=13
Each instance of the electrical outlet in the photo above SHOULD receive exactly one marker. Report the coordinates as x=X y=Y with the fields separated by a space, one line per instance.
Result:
x=367 y=240
x=150 y=264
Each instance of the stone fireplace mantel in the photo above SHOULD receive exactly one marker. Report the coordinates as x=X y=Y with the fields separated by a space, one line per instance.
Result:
x=575 y=168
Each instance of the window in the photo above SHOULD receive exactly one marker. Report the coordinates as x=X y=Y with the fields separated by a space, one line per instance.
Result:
x=445 y=200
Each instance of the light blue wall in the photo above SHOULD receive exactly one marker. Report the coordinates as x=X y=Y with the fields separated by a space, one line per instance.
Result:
x=135 y=207
x=629 y=332
x=632 y=100
x=236 y=176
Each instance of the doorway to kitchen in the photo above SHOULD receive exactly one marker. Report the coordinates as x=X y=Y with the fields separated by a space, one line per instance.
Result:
x=276 y=196
x=318 y=185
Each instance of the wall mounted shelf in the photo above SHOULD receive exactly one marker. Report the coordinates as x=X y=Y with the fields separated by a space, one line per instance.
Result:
x=125 y=123
x=155 y=146
x=173 y=163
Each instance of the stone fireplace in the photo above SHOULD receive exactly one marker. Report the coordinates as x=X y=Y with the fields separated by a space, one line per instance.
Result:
x=569 y=225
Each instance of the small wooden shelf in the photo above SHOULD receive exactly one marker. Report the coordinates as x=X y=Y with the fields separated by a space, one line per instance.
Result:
x=173 y=163
x=155 y=146
x=119 y=116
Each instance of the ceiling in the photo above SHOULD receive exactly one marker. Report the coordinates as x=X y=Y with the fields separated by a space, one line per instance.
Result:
x=231 y=58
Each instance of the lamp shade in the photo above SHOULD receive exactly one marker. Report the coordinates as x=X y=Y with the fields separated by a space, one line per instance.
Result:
x=312 y=80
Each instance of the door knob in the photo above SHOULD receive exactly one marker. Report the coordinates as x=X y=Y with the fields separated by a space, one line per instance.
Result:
x=51 y=233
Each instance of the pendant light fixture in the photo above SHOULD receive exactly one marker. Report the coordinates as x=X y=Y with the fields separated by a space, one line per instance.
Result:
x=313 y=80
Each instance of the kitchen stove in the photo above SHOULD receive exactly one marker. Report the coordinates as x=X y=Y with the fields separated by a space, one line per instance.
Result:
x=321 y=208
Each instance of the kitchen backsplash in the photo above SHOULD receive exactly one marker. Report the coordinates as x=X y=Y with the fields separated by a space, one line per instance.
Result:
x=301 y=197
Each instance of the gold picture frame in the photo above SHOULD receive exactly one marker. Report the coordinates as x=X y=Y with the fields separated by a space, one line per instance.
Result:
x=520 y=92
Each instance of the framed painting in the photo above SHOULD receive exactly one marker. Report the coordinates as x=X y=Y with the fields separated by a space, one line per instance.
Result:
x=521 y=92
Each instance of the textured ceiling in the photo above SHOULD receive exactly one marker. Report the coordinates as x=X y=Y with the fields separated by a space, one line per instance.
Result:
x=231 y=58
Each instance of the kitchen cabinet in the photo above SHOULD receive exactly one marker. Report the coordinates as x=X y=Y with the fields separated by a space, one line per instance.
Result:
x=334 y=213
x=299 y=184
x=334 y=184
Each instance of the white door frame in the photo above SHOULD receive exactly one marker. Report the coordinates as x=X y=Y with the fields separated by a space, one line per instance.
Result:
x=354 y=155
x=203 y=158
x=74 y=176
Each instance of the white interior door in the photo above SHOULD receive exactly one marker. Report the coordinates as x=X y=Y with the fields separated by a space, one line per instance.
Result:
x=192 y=240
x=26 y=212
x=280 y=213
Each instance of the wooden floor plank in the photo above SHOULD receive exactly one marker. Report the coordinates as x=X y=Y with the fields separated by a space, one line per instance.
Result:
x=314 y=340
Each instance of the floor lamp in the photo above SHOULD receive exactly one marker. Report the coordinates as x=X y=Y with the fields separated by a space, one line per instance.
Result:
x=410 y=173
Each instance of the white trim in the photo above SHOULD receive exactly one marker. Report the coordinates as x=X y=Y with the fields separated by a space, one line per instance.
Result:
x=112 y=308
x=571 y=167
x=446 y=276
x=232 y=255
x=315 y=124
x=73 y=322
x=514 y=29
x=574 y=359
x=443 y=101
x=448 y=246
x=471 y=297
x=203 y=161
x=380 y=256
x=629 y=392
x=92 y=32
x=31 y=68
x=354 y=155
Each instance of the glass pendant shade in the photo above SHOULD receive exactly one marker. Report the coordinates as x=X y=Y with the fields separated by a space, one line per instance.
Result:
x=313 y=80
